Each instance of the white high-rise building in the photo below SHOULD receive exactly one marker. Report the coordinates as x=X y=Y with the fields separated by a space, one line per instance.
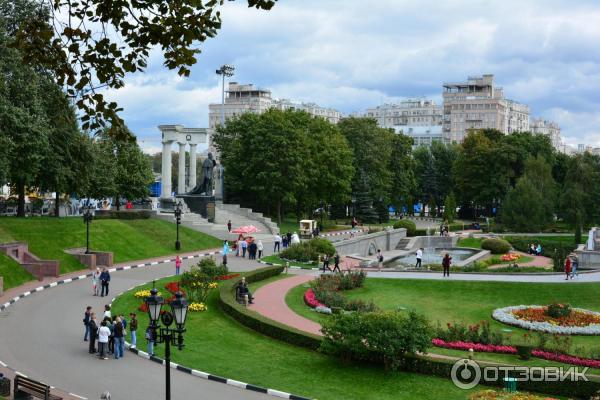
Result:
x=411 y=112
x=241 y=99
x=479 y=104
x=549 y=128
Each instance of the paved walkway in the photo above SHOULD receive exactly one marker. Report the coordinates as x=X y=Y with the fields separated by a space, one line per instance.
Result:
x=41 y=337
x=270 y=302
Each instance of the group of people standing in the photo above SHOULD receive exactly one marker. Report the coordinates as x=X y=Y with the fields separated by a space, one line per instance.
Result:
x=109 y=334
x=243 y=245
x=100 y=282
x=535 y=250
x=283 y=241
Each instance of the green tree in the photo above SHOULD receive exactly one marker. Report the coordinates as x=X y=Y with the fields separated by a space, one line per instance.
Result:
x=450 y=208
x=530 y=205
x=402 y=168
x=95 y=43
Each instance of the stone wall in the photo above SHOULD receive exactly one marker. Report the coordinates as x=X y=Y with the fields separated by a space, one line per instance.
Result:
x=93 y=259
x=19 y=252
x=367 y=245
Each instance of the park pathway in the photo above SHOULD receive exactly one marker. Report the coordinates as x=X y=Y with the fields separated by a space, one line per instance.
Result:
x=270 y=302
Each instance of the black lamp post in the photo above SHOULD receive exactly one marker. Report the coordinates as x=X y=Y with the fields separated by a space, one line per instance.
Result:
x=353 y=206
x=178 y=222
x=322 y=212
x=87 y=219
x=168 y=336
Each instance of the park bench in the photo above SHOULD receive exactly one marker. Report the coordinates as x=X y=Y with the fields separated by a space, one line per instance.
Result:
x=25 y=388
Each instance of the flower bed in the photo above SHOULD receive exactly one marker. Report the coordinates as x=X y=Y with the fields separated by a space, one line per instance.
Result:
x=510 y=257
x=535 y=318
x=226 y=277
x=502 y=349
x=311 y=300
x=502 y=395
x=197 y=307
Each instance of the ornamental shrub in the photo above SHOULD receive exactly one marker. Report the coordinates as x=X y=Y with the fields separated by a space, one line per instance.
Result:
x=384 y=336
x=209 y=267
x=496 y=246
x=309 y=250
x=556 y=310
x=410 y=226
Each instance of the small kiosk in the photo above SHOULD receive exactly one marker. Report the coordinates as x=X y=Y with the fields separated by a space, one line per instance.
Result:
x=307 y=227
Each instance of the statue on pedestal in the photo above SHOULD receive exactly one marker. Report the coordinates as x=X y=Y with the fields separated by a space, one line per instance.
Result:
x=205 y=188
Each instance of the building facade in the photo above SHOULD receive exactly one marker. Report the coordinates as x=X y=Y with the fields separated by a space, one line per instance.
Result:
x=247 y=98
x=550 y=129
x=411 y=112
x=479 y=104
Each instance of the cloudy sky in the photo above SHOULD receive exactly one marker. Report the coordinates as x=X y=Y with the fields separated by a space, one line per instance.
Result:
x=351 y=54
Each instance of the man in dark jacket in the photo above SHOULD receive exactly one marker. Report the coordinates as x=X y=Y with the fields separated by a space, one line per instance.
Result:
x=93 y=327
x=104 y=280
x=86 y=320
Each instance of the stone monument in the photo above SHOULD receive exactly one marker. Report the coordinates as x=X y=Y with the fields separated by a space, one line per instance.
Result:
x=201 y=199
x=588 y=253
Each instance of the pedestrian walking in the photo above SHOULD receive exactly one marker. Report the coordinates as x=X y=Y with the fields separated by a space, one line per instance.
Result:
x=336 y=263
x=326 y=263
x=419 y=258
x=277 y=244
x=103 y=335
x=446 y=264
x=177 y=265
x=568 y=268
x=253 y=249
x=260 y=248
x=574 y=266
x=285 y=242
x=93 y=328
x=96 y=282
x=379 y=260
x=119 y=338
x=86 y=320
x=133 y=326
x=104 y=281
x=229 y=226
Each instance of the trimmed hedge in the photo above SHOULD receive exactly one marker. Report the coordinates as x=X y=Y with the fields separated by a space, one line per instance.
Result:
x=258 y=322
x=410 y=226
x=123 y=214
x=496 y=246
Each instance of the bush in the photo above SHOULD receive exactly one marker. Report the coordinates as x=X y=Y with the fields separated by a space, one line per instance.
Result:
x=209 y=267
x=406 y=224
x=309 y=250
x=552 y=247
x=122 y=214
x=477 y=333
x=556 y=310
x=326 y=290
x=385 y=336
x=496 y=246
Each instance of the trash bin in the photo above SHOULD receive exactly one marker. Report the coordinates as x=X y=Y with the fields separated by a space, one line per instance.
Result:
x=510 y=384
x=4 y=386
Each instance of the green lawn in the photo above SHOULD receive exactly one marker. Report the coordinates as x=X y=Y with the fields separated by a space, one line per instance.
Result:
x=128 y=239
x=474 y=243
x=14 y=275
x=217 y=344
x=467 y=302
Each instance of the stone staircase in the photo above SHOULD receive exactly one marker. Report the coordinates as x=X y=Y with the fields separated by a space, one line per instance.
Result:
x=402 y=244
x=239 y=216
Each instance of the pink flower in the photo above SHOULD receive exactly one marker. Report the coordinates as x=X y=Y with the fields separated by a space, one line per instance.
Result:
x=311 y=300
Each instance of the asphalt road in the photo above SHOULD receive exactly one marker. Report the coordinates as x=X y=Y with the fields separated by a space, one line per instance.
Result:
x=41 y=336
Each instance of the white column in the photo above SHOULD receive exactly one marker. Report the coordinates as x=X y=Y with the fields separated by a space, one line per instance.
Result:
x=181 y=177
x=166 y=170
x=193 y=161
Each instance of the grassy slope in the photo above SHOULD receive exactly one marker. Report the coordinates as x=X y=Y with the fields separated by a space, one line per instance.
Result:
x=273 y=258
x=128 y=239
x=215 y=343
x=13 y=274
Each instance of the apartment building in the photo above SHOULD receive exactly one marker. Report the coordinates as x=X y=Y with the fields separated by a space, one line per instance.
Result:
x=549 y=128
x=479 y=104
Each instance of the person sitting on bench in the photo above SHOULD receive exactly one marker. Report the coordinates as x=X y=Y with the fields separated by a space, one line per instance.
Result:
x=242 y=290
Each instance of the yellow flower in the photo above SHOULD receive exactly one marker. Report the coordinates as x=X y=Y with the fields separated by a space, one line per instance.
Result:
x=197 y=307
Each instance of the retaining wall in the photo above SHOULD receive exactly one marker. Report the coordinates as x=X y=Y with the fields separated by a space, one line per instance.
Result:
x=368 y=245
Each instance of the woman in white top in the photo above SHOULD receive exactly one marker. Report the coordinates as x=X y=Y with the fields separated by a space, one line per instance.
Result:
x=96 y=281
x=260 y=248
x=107 y=312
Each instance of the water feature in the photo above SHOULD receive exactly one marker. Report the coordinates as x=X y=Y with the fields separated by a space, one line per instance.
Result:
x=434 y=255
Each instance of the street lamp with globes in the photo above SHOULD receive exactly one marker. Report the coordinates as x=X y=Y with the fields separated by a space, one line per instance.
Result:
x=167 y=335
x=224 y=70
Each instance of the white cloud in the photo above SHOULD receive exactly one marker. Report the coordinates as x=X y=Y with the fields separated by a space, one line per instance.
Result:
x=352 y=55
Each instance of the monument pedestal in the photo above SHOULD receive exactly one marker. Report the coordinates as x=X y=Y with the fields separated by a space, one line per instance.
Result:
x=167 y=204
x=200 y=204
